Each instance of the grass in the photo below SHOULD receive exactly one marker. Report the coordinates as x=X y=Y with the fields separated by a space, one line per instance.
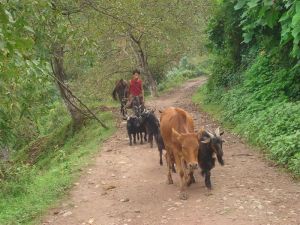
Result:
x=30 y=190
x=213 y=109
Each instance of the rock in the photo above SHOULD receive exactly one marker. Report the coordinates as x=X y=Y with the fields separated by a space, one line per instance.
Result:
x=56 y=212
x=137 y=211
x=108 y=150
x=91 y=221
x=178 y=203
x=109 y=187
x=68 y=213
x=124 y=200
x=172 y=208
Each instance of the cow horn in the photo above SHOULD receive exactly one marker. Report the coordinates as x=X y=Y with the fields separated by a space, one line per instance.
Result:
x=217 y=131
x=210 y=133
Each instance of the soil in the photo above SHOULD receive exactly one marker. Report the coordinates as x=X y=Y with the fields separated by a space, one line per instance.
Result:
x=126 y=185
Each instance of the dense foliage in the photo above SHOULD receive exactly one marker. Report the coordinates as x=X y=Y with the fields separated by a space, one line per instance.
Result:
x=256 y=74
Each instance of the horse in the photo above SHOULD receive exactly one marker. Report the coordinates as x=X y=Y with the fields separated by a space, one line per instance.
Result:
x=121 y=93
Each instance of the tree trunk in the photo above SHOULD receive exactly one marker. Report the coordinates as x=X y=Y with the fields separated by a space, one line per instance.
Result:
x=143 y=64
x=57 y=62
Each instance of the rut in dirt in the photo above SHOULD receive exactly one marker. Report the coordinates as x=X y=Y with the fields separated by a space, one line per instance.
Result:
x=126 y=185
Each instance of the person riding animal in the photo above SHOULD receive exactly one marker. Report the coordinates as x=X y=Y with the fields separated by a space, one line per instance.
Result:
x=135 y=89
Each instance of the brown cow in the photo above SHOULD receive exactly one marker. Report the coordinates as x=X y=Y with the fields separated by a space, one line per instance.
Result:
x=181 y=143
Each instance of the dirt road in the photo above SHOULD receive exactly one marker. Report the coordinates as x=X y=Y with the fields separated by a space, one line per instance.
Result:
x=126 y=185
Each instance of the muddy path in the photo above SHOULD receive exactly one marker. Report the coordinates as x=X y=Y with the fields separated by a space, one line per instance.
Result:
x=126 y=185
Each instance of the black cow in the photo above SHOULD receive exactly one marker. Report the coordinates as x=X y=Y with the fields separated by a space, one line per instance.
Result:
x=151 y=123
x=210 y=145
x=135 y=130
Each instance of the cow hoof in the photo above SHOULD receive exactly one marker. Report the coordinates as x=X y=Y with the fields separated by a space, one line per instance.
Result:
x=173 y=169
x=183 y=196
x=209 y=192
x=169 y=181
x=189 y=182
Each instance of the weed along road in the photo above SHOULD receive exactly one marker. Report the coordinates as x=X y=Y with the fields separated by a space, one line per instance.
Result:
x=126 y=185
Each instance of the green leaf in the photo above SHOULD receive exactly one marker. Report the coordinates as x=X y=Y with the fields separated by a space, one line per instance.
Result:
x=252 y=3
x=247 y=37
x=268 y=2
x=3 y=15
x=240 y=4
x=272 y=18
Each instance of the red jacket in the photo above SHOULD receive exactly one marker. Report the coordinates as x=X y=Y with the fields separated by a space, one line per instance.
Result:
x=135 y=87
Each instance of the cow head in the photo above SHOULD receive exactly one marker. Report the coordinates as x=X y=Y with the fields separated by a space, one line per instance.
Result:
x=134 y=120
x=215 y=141
x=189 y=147
x=138 y=110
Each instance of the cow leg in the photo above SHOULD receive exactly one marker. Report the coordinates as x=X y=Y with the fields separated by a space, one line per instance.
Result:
x=190 y=178
x=182 y=195
x=141 y=136
x=207 y=179
x=130 y=138
x=150 y=140
x=173 y=163
x=169 y=162
x=160 y=156
x=145 y=136
x=134 y=138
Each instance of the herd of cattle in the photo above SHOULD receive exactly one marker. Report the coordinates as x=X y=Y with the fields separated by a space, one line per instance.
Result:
x=185 y=149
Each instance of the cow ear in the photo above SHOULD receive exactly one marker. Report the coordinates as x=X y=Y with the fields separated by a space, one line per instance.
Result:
x=206 y=140
x=175 y=135
x=200 y=133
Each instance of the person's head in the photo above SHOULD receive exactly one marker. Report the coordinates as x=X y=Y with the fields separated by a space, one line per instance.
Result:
x=135 y=74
